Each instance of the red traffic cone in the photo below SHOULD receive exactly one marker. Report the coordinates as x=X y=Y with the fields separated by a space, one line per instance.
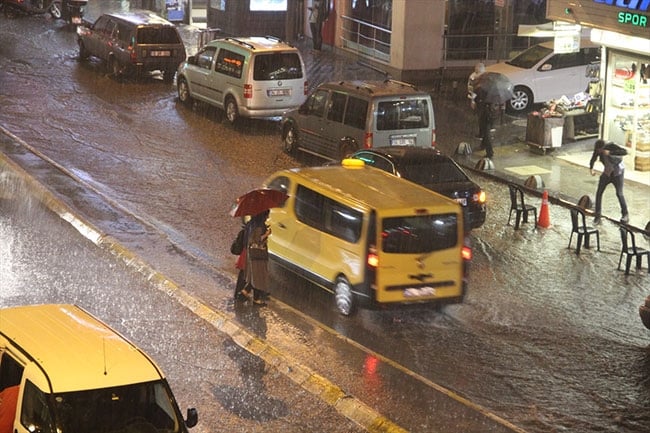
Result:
x=544 y=217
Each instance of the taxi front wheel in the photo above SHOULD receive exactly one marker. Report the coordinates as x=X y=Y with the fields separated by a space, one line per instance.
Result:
x=344 y=296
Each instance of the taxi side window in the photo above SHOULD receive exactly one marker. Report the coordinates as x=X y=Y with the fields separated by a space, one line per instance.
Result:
x=328 y=215
x=205 y=56
x=11 y=372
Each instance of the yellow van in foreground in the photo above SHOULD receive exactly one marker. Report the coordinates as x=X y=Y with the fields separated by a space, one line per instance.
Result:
x=62 y=370
x=368 y=237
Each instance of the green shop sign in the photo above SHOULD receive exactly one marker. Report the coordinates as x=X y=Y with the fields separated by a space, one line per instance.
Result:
x=631 y=16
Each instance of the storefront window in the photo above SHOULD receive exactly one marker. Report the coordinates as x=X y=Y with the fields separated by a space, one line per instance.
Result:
x=627 y=121
x=268 y=5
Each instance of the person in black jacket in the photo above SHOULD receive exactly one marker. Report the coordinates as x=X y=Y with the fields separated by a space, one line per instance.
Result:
x=610 y=155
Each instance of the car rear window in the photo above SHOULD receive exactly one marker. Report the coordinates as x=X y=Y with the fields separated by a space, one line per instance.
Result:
x=277 y=66
x=158 y=35
x=419 y=234
x=427 y=171
x=403 y=114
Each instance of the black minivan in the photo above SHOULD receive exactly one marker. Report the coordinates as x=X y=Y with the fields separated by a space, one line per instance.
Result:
x=133 y=43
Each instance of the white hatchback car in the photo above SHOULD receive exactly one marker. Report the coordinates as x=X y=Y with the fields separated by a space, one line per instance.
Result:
x=539 y=75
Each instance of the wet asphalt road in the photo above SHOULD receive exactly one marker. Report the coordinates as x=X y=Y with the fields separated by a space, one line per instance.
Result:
x=548 y=340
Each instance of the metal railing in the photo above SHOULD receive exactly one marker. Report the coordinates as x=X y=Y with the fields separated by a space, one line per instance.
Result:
x=373 y=42
x=366 y=39
x=491 y=47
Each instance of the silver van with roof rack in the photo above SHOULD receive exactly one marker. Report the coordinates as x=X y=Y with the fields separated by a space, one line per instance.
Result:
x=342 y=117
x=253 y=77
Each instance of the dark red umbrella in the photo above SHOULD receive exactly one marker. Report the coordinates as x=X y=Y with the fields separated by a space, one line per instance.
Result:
x=257 y=201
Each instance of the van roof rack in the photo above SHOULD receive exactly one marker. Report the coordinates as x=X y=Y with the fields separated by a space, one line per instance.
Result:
x=401 y=83
x=277 y=39
x=240 y=42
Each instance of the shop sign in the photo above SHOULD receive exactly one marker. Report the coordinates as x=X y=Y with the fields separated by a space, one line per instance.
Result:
x=631 y=16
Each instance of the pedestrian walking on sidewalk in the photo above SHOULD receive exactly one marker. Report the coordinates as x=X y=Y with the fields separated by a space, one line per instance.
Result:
x=611 y=155
x=316 y=23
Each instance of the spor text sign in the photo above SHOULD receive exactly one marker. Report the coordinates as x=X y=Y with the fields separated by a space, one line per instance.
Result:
x=632 y=15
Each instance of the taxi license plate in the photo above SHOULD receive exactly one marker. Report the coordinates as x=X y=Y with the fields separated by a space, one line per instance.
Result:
x=278 y=92
x=462 y=201
x=402 y=141
x=165 y=53
x=416 y=292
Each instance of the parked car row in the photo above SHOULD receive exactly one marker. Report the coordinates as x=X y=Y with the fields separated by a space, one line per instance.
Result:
x=370 y=236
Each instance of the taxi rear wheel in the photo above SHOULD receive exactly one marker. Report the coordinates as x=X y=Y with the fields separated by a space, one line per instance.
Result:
x=344 y=296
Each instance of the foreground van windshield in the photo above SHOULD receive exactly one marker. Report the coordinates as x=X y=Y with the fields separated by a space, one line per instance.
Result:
x=144 y=407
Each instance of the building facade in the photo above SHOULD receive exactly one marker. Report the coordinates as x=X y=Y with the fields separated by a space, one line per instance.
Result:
x=410 y=39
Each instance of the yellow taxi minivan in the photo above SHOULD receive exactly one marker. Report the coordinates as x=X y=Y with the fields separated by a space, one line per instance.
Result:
x=63 y=370
x=368 y=237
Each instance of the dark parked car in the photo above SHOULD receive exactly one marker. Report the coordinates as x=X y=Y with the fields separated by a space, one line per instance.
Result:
x=133 y=43
x=433 y=170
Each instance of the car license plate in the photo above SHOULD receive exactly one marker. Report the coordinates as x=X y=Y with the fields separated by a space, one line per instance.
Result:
x=165 y=53
x=462 y=201
x=402 y=141
x=416 y=292
x=278 y=92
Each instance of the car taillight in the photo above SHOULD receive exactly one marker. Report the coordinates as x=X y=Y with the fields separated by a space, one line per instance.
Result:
x=306 y=88
x=479 y=197
x=133 y=56
x=373 y=258
x=367 y=140
x=248 y=91
x=433 y=138
x=466 y=253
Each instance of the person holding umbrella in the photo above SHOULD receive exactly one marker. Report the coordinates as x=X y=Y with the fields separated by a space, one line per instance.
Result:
x=253 y=260
x=492 y=90
x=257 y=258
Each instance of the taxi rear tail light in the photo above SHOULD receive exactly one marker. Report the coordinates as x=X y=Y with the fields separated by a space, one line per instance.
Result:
x=433 y=138
x=248 y=91
x=305 y=90
x=373 y=258
x=466 y=253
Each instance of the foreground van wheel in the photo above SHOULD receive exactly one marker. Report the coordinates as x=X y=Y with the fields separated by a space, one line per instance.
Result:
x=184 y=91
x=56 y=10
x=344 y=296
x=232 y=113
x=290 y=139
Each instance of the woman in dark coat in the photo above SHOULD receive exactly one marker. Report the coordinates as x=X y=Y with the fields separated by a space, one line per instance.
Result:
x=257 y=275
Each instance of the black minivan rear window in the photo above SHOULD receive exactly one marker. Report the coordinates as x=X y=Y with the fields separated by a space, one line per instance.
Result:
x=419 y=234
x=158 y=35
x=277 y=66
